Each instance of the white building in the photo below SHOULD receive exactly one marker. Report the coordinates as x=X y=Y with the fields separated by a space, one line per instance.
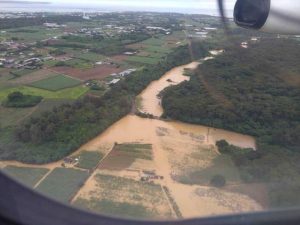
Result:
x=114 y=81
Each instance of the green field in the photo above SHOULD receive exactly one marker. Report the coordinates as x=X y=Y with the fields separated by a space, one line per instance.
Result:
x=33 y=33
x=13 y=116
x=157 y=49
x=154 y=41
x=49 y=104
x=19 y=73
x=90 y=56
x=89 y=160
x=78 y=63
x=56 y=83
x=68 y=93
x=142 y=59
x=25 y=175
x=62 y=183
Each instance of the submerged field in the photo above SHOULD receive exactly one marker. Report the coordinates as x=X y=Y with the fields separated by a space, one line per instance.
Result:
x=124 y=197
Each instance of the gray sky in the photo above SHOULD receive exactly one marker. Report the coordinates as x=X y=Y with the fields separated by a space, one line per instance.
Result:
x=163 y=5
x=205 y=4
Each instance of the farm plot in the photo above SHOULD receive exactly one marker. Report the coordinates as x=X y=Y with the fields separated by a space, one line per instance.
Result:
x=79 y=63
x=62 y=183
x=56 y=83
x=34 y=33
x=144 y=60
x=151 y=54
x=124 y=155
x=26 y=175
x=13 y=116
x=88 y=159
x=68 y=93
x=96 y=73
x=21 y=72
x=89 y=56
x=124 y=197
x=33 y=76
x=49 y=104
x=201 y=164
x=154 y=41
x=158 y=49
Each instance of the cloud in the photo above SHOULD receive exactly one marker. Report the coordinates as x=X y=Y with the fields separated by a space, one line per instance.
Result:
x=23 y=2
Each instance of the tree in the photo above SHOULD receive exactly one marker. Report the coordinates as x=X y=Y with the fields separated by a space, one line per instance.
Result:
x=218 y=181
x=15 y=96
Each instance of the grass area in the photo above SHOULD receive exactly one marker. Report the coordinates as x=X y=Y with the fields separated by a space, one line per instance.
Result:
x=79 y=64
x=62 y=183
x=56 y=83
x=141 y=151
x=68 y=93
x=90 y=56
x=50 y=63
x=157 y=49
x=127 y=198
x=20 y=73
x=88 y=159
x=13 y=116
x=25 y=175
x=33 y=33
x=154 y=41
x=49 y=104
x=142 y=59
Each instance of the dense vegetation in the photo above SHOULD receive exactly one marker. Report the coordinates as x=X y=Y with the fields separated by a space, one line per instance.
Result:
x=6 y=23
x=19 y=100
x=274 y=167
x=252 y=91
x=54 y=134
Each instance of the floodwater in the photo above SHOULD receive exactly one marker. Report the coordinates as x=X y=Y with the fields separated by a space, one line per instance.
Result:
x=172 y=142
x=150 y=103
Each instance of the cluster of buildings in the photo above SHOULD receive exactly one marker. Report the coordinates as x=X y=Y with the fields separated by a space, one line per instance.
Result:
x=201 y=32
x=119 y=75
x=253 y=40
x=31 y=63
x=53 y=25
x=166 y=31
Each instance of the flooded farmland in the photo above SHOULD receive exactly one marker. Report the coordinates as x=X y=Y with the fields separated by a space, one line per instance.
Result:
x=183 y=156
x=175 y=145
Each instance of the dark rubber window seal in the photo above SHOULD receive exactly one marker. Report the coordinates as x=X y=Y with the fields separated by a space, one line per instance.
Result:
x=20 y=205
